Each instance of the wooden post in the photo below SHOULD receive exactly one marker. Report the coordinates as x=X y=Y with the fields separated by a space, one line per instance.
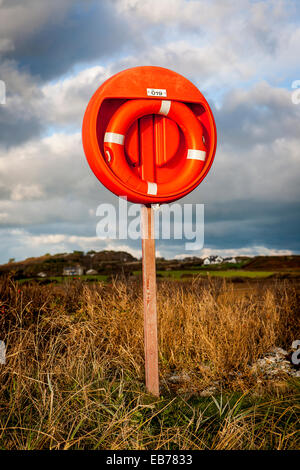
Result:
x=149 y=293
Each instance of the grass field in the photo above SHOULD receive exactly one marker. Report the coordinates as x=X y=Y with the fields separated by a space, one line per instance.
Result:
x=224 y=274
x=171 y=275
x=74 y=376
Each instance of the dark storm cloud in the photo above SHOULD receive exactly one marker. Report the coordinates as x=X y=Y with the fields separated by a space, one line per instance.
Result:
x=257 y=116
x=18 y=129
x=48 y=194
x=32 y=109
x=64 y=34
x=41 y=40
x=20 y=118
x=245 y=223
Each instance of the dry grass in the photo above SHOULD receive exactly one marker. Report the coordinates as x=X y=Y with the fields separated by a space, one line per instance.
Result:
x=74 y=373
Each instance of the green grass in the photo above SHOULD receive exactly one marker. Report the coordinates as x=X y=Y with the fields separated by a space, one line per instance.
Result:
x=98 y=277
x=84 y=277
x=74 y=375
x=178 y=274
x=102 y=415
x=172 y=275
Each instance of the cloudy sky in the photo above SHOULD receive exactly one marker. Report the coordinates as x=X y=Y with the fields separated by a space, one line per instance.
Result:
x=243 y=56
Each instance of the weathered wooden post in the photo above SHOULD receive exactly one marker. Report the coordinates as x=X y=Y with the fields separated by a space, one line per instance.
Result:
x=149 y=293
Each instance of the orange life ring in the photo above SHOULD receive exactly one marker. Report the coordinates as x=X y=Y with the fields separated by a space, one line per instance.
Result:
x=142 y=135
x=194 y=154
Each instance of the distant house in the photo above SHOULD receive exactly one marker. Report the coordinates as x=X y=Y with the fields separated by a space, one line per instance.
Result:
x=230 y=260
x=42 y=274
x=213 y=260
x=91 y=271
x=73 y=271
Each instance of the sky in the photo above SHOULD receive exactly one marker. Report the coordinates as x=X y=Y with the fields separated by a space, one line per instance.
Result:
x=244 y=58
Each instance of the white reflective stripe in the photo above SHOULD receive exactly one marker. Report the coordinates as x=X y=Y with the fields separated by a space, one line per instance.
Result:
x=152 y=188
x=114 y=138
x=165 y=107
x=196 y=154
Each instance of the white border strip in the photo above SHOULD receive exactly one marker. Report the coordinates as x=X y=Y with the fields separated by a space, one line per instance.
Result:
x=165 y=107
x=152 y=188
x=196 y=154
x=114 y=138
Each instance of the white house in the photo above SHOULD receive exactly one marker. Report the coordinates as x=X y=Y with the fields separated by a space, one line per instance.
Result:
x=213 y=260
x=42 y=274
x=91 y=271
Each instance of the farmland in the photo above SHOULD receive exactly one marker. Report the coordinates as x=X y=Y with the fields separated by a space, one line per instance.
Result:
x=181 y=275
x=103 y=265
x=74 y=375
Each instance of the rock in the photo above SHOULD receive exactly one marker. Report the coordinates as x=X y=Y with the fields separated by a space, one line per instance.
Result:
x=273 y=364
